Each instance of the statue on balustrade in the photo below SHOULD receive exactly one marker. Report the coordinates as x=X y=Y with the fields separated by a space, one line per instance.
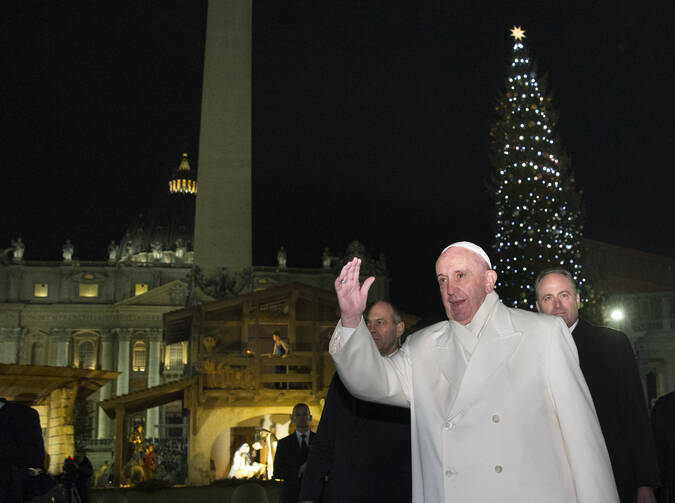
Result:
x=68 y=250
x=113 y=250
x=17 y=248
x=281 y=258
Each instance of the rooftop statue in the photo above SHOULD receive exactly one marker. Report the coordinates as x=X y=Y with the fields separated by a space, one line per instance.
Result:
x=18 y=248
x=281 y=258
x=68 y=250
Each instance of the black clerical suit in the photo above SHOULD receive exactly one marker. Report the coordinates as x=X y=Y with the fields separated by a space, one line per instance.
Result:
x=663 y=422
x=287 y=461
x=364 y=450
x=608 y=364
x=21 y=447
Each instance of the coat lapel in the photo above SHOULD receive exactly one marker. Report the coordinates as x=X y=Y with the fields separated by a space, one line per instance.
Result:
x=449 y=358
x=496 y=344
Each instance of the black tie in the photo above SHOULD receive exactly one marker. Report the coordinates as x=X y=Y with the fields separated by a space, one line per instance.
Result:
x=304 y=450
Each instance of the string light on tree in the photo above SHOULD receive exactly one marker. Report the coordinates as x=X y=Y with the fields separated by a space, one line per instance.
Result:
x=538 y=217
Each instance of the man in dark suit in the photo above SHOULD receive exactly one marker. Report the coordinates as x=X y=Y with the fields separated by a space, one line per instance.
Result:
x=663 y=422
x=21 y=448
x=362 y=450
x=291 y=456
x=608 y=364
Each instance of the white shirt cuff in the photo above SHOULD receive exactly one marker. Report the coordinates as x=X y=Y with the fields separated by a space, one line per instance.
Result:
x=340 y=337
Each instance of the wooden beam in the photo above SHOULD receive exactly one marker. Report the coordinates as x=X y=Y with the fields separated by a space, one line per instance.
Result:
x=120 y=442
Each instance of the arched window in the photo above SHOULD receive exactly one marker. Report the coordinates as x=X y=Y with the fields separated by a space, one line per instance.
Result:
x=37 y=354
x=139 y=356
x=85 y=353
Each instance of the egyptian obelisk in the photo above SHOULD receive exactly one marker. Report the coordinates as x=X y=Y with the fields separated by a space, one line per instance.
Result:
x=223 y=234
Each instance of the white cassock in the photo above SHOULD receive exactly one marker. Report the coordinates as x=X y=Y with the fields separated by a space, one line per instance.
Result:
x=500 y=411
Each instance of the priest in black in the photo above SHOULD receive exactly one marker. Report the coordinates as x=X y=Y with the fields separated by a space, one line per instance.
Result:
x=663 y=422
x=21 y=449
x=362 y=450
x=608 y=364
x=291 y=456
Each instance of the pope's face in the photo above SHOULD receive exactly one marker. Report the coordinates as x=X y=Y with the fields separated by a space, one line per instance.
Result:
x=556 y=295
x=464 y=280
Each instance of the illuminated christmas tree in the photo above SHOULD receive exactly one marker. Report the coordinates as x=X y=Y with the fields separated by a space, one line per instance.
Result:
x=538 y=210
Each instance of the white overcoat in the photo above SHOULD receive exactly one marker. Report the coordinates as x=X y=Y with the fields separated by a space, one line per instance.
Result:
x=515 y=423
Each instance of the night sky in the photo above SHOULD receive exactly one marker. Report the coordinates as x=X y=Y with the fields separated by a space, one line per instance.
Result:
x=370 y=122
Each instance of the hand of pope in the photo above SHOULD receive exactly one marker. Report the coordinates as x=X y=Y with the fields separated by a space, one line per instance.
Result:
x=352 y=296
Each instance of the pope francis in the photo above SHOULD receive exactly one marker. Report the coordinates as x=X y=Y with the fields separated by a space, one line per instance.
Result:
x=500 y=411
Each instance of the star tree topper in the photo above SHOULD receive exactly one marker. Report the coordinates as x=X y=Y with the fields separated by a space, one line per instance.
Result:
x=517 y=33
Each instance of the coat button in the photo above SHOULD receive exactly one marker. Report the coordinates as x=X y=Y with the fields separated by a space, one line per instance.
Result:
x=498 y=468
x=495 y=418
x=448 y=425
x=450 y=473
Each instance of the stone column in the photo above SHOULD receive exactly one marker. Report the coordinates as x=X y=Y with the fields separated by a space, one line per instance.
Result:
x=152 y=417
x=60 y=439
x=123 y=342
x=60 y=345
x=106 y=363
x=10 y=345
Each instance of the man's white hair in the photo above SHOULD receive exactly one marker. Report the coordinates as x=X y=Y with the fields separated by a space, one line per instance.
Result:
x=471 y=247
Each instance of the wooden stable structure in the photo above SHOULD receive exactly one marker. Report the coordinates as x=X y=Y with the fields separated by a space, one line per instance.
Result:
x=54 y=391
x=231 y=376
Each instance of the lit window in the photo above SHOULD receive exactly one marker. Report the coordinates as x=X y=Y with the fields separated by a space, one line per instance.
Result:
x=141 y=288
x=41 y=290
x=86 y=355
x=139 y=357
x=175 y=356
x=88 y=290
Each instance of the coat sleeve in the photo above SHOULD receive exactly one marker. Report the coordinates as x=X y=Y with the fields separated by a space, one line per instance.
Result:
x=283 y=465
x=581 y=434
x=633 y=414
x=659 y=425
x=366 y=374
x=322 y=448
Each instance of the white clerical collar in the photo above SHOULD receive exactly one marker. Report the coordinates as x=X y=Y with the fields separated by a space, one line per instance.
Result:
x=480 y=319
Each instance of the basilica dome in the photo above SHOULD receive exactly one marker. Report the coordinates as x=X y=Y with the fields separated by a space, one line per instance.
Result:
x=163 y=234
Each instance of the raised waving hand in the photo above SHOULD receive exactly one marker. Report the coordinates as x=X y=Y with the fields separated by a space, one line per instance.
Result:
x=352 y=296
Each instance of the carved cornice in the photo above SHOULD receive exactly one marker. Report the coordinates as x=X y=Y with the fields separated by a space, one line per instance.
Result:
x=124 y=334
x=107 y=335
x=12 y=334
x=88 y=318
x=60 y=334
x=154 y=334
